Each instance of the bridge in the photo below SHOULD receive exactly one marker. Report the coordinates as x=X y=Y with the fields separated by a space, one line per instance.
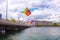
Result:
x=9 y=25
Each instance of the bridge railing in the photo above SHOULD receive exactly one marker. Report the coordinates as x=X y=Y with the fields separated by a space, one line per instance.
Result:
x=7 y=22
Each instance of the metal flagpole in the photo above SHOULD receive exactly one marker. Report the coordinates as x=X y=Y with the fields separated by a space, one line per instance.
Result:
x=19 y=15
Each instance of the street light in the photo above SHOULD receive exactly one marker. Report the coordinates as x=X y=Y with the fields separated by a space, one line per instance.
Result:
x=7 y=9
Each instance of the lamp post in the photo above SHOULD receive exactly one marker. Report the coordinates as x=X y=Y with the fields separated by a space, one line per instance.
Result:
x=7 y=9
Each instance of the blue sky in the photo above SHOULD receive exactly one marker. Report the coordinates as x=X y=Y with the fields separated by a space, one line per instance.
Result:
x=48 y=10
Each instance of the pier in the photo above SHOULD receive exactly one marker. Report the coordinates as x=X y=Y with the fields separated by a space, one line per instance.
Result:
x=9 y=25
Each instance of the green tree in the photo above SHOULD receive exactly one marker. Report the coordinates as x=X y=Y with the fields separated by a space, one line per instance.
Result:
x=55 y=24
x=13 y=20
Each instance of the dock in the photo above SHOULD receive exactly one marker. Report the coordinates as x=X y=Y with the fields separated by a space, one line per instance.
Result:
x=9 y=25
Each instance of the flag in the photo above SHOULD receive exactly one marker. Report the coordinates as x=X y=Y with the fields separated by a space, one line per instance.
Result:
x=27 y=12
x=30 y=22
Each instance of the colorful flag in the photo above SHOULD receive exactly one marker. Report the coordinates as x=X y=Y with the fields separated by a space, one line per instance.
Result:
x=30 y=22
x=27 y=12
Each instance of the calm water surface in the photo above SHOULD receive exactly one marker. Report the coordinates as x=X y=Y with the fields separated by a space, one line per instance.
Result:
x=36 y=33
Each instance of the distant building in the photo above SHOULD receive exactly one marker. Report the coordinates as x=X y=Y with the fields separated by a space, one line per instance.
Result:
x=0 y=16
x=42 y=23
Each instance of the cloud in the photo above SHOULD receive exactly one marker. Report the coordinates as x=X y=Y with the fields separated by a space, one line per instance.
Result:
x=46 y=14
x=41 y=9
x=3 y=8
x=1 y=1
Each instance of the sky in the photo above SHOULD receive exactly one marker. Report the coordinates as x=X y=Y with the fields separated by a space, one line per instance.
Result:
x=47 y=10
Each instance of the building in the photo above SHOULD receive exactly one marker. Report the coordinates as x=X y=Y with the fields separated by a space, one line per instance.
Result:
x=44 y=23
x=0 y=16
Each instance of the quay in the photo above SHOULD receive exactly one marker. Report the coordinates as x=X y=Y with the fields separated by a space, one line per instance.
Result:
x=9 y=25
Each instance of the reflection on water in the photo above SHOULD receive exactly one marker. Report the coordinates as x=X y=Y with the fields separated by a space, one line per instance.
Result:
x=36 y=33
x=8 y=34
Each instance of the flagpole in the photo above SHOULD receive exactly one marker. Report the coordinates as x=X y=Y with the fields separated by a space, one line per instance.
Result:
x=19 y=16
x=7 y=9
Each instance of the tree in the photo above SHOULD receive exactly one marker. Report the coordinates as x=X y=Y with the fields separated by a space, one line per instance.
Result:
x=13 y=20
x=55 y=24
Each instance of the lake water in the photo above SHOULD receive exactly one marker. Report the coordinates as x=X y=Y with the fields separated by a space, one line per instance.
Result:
x=36 y=33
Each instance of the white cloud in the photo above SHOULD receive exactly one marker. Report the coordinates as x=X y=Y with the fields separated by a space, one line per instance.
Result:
x=3 y=8
x=15 y=6
x=54 y=15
